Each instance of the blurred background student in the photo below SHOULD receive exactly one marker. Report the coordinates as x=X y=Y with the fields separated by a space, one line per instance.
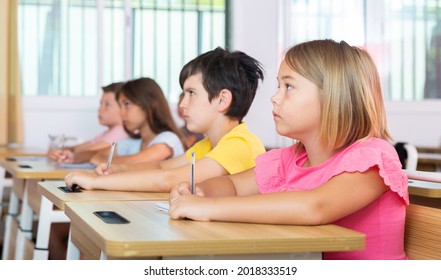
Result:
x=154 y=135
x=190 y=137
x=148 y=120
x=109 y=115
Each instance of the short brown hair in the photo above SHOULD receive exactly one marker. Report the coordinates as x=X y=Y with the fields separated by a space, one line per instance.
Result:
x=114 y=87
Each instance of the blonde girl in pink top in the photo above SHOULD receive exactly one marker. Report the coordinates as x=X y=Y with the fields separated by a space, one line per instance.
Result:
x=342 y=170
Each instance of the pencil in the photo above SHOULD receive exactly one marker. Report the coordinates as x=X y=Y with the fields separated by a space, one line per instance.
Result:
x=109 y=159
x=192 y=173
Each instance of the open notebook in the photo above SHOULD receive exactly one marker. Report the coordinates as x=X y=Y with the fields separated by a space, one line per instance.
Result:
x=86 y=165
x=163 y=206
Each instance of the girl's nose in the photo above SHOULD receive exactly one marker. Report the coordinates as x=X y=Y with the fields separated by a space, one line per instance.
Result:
x=275 y=99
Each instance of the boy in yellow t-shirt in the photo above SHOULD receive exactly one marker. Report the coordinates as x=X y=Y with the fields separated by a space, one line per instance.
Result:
x=219 y=88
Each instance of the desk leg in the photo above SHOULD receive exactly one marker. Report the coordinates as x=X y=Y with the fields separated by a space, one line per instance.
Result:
x=13 y=208
x=47 y=216
x=103 y=256
x=41 y=251
x=2 y=186
x=73 y=253
x=25 y=228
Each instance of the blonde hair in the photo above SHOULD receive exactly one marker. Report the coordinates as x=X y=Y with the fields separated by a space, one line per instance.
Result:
x=352 y=105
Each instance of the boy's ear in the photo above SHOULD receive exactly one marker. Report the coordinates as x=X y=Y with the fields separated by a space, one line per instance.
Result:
x=225 y=99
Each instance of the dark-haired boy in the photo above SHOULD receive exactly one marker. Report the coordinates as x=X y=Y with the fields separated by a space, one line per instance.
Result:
x=219 y=88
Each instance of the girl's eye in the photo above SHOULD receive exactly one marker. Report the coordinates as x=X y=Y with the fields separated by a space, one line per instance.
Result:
x=289 y=87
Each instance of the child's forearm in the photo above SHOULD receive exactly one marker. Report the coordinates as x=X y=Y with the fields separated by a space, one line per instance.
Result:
x=275 y=208
x=146 y=181
x=84 y=156
x=142 y=166
x=218 y=187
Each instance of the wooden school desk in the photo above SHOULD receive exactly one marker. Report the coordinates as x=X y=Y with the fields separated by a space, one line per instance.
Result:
x=52 y=195
x=433 y=159
x=151 y=233
x=429 y=158
x=25 y=176
x=6 y=151
x=429 y=150
x=12 y=152
x=425 y=193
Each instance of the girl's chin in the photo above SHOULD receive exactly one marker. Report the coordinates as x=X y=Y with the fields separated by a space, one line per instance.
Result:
x=281 y=132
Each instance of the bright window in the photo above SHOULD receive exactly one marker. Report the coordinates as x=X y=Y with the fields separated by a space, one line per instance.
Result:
x=403 y=36
x=73 y=47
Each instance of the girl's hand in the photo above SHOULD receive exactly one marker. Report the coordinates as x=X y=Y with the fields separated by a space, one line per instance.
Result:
x=101 y=169
x=183 y=189
x=61 y=156
x=53 y=153
x=65 y=156
x=83 y=179
x=185 y=205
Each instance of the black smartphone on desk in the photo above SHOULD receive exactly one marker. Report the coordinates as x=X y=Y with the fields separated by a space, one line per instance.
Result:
x=111 y=217
x=67 y=190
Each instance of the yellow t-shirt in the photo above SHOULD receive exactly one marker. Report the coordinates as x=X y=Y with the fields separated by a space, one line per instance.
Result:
x=236 y=151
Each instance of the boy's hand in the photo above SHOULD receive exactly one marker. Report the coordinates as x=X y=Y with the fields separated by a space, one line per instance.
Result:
x=83 y=179
x=101 y=169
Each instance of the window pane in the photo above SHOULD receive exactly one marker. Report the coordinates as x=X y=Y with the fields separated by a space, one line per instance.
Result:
x=73 y=47
x=167 y=34
x=319 y=19
x=412 y=32
x=58 y=47
x=113 y=52
x=403 y=36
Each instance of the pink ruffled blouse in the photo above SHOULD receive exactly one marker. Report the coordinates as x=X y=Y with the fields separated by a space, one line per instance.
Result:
x=382 y=221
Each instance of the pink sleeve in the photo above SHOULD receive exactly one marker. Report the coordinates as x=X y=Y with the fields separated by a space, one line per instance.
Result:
x=384 y=158
x=269 y=172
x=110 y=136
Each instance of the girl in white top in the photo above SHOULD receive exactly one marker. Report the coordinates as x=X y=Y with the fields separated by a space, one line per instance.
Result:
x=148 y=120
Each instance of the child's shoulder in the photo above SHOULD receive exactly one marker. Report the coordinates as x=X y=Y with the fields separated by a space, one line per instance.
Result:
x=366 y=153
x=372 y=143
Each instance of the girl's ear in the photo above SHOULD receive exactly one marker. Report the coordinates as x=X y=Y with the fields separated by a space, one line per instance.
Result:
x=225 y=99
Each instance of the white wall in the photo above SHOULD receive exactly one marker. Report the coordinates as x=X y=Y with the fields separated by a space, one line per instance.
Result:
x=415 y=122
x=76 y=117
x=258 y=32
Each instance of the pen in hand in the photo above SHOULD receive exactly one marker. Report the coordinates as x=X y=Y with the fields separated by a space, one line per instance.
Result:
x=192 y=174
x=109 y=159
